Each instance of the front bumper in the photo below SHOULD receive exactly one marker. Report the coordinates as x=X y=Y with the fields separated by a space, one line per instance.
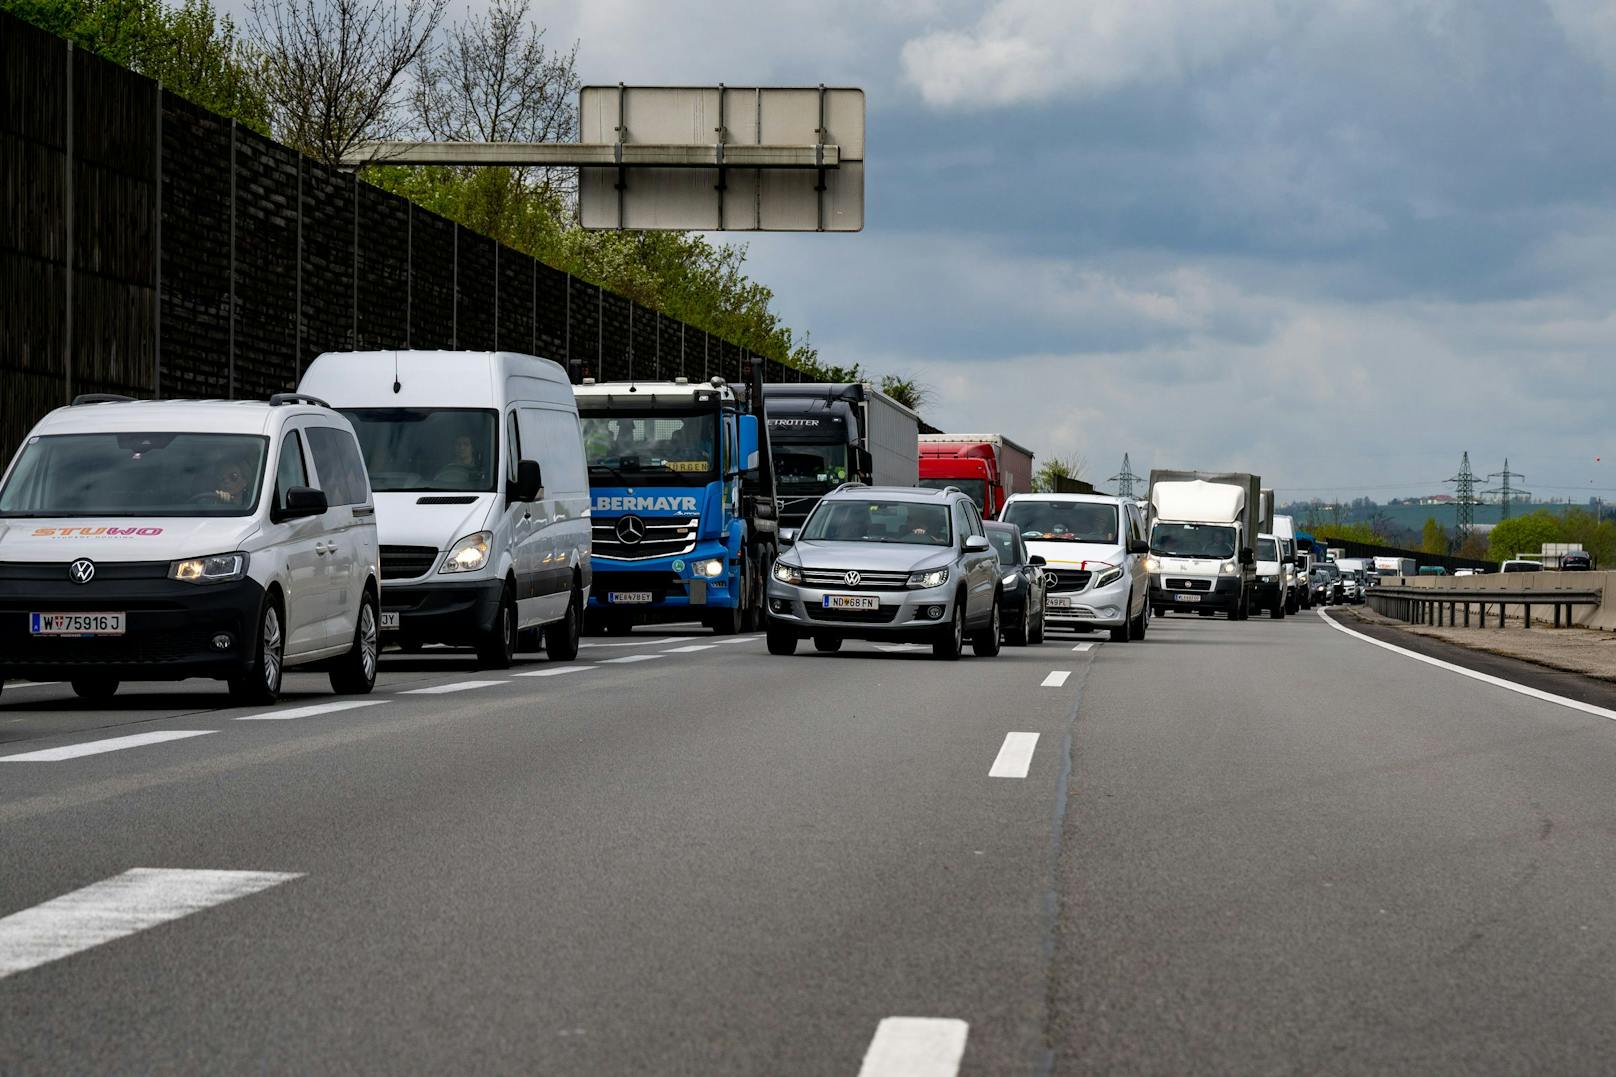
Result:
x=1185 y=592
x=1101 y=607
x=904 y=615
x=675 y=595
x=169 y=627
x=455 y=612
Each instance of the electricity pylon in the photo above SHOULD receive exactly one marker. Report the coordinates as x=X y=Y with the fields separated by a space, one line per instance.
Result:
x=1466 y=500
x=1126 y=479
x=1507 y=493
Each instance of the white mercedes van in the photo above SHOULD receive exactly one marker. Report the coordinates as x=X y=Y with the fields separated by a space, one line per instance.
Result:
x=482 y=496
x=159 y=540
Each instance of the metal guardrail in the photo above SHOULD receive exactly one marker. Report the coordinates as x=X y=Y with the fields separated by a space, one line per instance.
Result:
x=1430 y=606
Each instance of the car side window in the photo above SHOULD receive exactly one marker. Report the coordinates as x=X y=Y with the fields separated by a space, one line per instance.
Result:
x=341 y=470
x=289 y=469
x=962 y=523
x=974 y=518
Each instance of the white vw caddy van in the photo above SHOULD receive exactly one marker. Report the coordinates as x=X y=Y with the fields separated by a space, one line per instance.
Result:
x=482 y=496
x=159 y=540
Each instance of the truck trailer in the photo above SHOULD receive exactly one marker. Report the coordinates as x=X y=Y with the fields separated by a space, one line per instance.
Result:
x=823 y=435
x=987 y=467
x=1203 y=539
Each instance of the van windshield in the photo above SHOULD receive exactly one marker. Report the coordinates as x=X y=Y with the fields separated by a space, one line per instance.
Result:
x=428 y=450
x=1266 y=550
x=136 y=474
x=1065 y=521
x=1193 y=540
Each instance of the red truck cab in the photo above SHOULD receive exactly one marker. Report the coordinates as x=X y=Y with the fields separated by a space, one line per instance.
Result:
x=986 y=467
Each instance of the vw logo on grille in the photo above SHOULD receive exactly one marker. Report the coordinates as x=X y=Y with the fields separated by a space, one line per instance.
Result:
x=851 y=578
x=81 y=571
x=630 y=530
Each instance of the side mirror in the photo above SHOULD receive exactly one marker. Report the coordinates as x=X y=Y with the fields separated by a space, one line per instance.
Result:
x=788 y=536
x=865 y=462
x=747 y=429
x=1289 y=559
x=529 y=484
x=1138 y=546
x=303 y=502
x=1037 y=560
x=976 y=543
x=1246 y=556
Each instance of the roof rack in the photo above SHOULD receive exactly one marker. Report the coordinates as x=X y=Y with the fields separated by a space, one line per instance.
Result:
x=101 y=398
x=296 y=398
x=849 y=485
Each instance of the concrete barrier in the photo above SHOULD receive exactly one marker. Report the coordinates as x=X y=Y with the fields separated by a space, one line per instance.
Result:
x=1602 y=616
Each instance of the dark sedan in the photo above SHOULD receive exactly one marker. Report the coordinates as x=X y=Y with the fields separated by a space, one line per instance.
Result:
x=1022 y=584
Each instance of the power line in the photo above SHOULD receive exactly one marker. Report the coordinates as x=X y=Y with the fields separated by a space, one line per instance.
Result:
x=1125 y=479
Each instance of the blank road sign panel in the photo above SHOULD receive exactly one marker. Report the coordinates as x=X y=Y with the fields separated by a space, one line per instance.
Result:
x=749 y=199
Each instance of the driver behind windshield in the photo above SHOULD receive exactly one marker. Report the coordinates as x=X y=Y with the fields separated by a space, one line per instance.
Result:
x=230 y=481
x=464 y=468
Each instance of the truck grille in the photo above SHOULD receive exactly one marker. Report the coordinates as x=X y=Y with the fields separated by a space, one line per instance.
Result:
x=1187 y=585
x=664 y=537
x=836 y=578
x=881 y=616
x=407 y=562
x=1069 y=580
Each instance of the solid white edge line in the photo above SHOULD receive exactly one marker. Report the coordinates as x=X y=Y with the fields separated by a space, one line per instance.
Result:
x=1015 y=756
x=1056 y=678
x=1485 y=678
x=310 y=712
x=444 y=689
x=553 y=671
x=916 y=1047
x=97 y=747
x=113 y=908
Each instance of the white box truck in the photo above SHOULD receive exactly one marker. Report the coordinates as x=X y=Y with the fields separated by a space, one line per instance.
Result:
x=1203 y=539
x=1299 y=595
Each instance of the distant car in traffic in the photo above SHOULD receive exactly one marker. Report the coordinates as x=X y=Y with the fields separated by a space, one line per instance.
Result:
x=1022 y=576
x=889 y=563
x=1325 y=584
x=1577 y=562
x=1517 y=564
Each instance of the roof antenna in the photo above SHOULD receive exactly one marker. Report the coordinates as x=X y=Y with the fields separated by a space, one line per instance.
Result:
x=396 y=385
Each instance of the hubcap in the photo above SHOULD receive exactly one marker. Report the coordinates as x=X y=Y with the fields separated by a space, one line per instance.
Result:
x=367 y=640
x=272 y=647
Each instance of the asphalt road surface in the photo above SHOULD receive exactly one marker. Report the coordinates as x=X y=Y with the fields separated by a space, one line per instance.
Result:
x=1263 y=847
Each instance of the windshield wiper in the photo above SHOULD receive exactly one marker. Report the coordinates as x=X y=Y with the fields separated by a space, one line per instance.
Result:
x=609 y=468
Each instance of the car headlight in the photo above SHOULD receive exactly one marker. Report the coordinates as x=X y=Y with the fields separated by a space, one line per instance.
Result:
x=935 y=577
x=1268 y=579
x=1108 y=577
x=1152 y=564
x=786 y=572
x=469 y=554
x=1012 y=579
x=220 y=568
x=711 y=568
x=1229 y=568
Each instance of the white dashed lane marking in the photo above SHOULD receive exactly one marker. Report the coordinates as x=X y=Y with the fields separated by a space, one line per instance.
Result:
x=97 y=747
x=1056 y=678
x=647 y=642
x=555 y=671
x=1015 y=756
x=631 y=658
x=916 y=1047
x=1083 y=646
x=445 y=689
x=113 y=908
x=310 y=712
x=692 y=649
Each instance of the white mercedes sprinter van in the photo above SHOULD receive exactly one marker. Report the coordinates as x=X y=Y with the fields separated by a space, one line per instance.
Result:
x=482 y=496
x=165 y=539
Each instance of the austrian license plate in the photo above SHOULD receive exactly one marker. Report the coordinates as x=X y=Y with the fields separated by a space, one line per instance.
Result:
x=1061 y=602
x=389 y=620
x=851 y=602
x=76 y=624
x=628 y=598
x=1186 y=598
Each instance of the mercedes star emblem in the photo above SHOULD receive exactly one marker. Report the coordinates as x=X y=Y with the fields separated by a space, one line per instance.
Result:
x=81 y=571
x=851 y=578
x=630 y=530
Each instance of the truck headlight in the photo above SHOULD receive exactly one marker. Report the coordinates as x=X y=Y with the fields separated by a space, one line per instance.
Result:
x=711 y=568
x=469 y=554
x=1268 y=579
x=1152 y=564
x=219 y=568
x=935 y=577
x=1108 y=577
x=786 y=572
x=1229 y=568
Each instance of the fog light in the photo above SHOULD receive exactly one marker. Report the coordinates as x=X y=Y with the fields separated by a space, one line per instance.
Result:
x=780 y=605
x=934 y=612
x=222 y=641
x=1110 y=611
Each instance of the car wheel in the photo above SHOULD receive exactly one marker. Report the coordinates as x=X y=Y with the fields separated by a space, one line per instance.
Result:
x=496 y=649
x=1036 y=635
x=827 y=644
x=1277 y=610
x=1020 y=633
x=1123 y=632
x=1142 y=622
x=985 y=643
x=781 y=641
x=561 y=638
x=260 y=681
x=951 y=640
x=96 y=691
x=354 y=674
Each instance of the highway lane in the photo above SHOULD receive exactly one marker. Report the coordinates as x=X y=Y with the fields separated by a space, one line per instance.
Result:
x=697 y=861
x=685 y=855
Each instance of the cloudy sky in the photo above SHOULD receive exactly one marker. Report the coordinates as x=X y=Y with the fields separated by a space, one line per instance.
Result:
x=1336 y=242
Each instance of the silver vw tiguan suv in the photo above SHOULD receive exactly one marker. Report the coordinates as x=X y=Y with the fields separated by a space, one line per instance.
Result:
x=887 y=563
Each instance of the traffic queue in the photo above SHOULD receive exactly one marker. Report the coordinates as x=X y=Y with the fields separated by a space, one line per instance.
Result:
x=482 y=501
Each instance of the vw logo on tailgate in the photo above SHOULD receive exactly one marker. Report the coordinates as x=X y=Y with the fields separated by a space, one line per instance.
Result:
x=630 y=530
x=81 y=571
x=851 y=578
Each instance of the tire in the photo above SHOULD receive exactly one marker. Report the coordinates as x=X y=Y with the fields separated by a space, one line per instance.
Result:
x=986 y=641
x=1141 y=624
x=561 y=638
x=752 y=616
x=725 y=622
x=950 y=641
x=1020 y=633
x=1238 y=611
x=1036 y=636
x=496 y=647
x=1277 y=610
x=354 y=674
x=98 y=690
x=260 y=683
x=827 y=644
x=782 y=642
